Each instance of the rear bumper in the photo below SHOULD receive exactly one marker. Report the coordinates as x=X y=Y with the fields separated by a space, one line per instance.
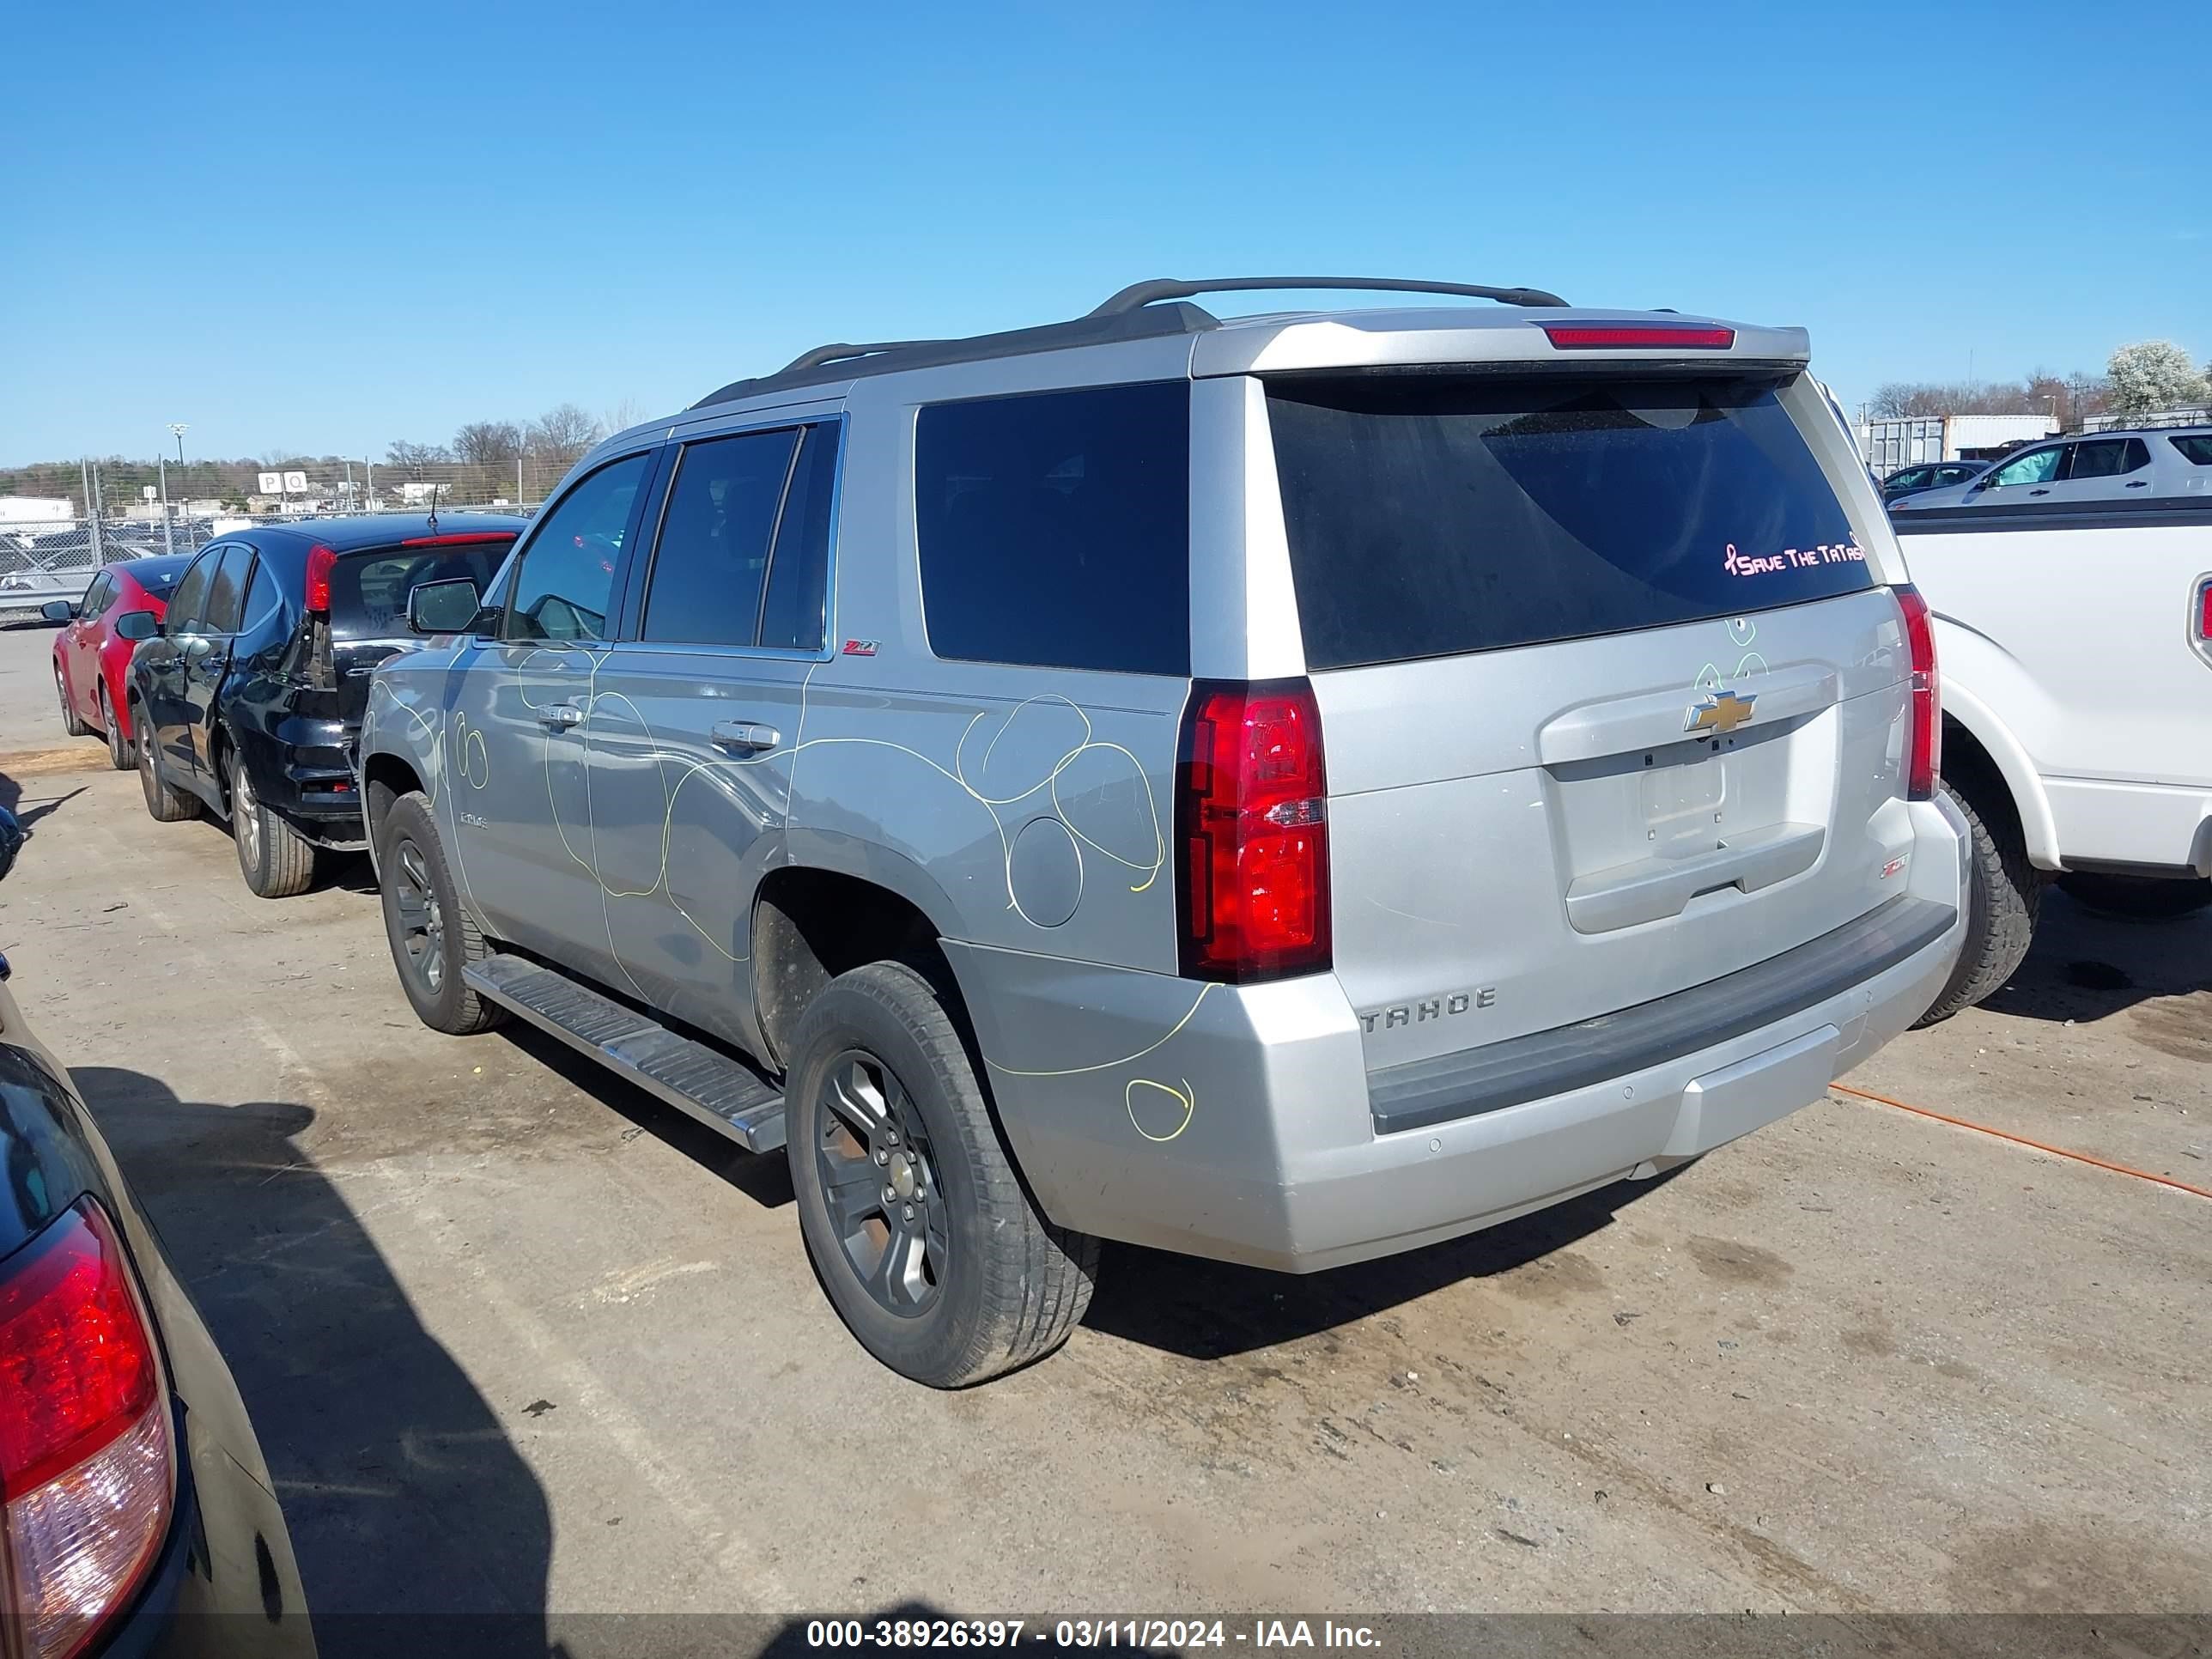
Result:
x=2154 y=825
x=308 y=776
x=1242 y=1123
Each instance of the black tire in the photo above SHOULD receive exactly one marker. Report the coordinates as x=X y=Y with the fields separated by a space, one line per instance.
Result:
x=994 y=1284
x=164 y=804
x=276 y=860
x=2003 y=893
x=118 y=747
x=429 y=930
x=2139 y=899
x=71 y=722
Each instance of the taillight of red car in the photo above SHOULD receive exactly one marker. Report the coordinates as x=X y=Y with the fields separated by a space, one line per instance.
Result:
x=88 y=1467
x=1923 y=753
x=1251 y=829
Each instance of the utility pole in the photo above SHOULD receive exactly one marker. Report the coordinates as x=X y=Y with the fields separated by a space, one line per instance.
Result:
x=177 y=427
x=168 y=530
x=518 y=481
x=369 y=488
x=91 y=512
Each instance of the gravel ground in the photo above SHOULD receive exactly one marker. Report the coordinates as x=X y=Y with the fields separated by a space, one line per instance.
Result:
x=517 y=1338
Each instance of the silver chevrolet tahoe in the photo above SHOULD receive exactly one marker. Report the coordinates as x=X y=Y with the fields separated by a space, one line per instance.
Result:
x=1288 y=789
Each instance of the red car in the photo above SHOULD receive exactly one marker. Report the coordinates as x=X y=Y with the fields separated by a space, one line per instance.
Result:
x=91 y=654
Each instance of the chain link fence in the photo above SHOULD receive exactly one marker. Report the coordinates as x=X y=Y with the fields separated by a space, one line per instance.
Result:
x=54 y=558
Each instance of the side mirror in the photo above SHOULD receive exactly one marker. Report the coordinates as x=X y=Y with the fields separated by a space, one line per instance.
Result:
x=60 y=610
x=446 y=607
x=137 y=625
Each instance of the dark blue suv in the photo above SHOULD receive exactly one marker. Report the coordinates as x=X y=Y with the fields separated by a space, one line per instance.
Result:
x=248 y=700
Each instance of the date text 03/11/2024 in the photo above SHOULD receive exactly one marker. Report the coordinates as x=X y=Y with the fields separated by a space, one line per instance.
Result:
x=1260 y=1636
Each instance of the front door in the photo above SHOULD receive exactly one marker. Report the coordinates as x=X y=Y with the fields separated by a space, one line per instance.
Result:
x=696 y=720
x=523 y=824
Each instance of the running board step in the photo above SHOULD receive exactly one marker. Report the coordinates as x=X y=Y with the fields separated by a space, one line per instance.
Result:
x=724 y=1094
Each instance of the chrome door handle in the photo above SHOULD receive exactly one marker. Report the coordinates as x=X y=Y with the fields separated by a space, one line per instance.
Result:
x=559 y=716
x=745 y=737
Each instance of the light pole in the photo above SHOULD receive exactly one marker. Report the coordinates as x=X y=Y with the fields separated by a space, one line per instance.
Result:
x=177 y=430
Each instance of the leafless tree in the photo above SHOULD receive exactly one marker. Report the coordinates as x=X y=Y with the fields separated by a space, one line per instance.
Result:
x=414 y=457
x=2068 y=398
x=556 y=438
x=488 y=444
x=623 y=415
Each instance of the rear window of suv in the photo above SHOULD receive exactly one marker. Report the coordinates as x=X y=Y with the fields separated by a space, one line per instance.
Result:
x=369 y=590
x=1430 y=516
x=1055 y=528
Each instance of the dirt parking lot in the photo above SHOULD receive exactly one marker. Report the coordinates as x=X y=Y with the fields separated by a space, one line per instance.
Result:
x=518 y=1338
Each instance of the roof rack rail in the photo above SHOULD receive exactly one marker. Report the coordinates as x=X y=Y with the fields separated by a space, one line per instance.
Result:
x=822 y=355
x=1137 y=312
x=1138 y=295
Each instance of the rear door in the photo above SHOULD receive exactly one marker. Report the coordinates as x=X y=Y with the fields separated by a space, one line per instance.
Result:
x=206 y=659
x=692 y=730
x=1611 y=701
x=2104 y=470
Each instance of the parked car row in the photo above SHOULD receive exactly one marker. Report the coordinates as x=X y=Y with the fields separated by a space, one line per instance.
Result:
x=1153 y=777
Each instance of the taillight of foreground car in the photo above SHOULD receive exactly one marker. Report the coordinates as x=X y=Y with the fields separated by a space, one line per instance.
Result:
x=86 y=1467
x=1924 y=757
x=1252 y=832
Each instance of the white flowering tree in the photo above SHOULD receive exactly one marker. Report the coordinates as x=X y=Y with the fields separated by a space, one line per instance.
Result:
x=2153 y=374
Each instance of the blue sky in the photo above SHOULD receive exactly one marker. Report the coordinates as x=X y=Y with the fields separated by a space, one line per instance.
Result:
x=323 y=228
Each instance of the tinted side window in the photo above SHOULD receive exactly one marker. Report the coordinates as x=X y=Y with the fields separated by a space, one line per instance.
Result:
x=1055 y=529
x=98 y=595
x=791 y=616
x=2197 y=451
x=186 y=609
x=566 y=585
x=264 y=605
x=2109 y=458
x=226 y=599
x=711 y=563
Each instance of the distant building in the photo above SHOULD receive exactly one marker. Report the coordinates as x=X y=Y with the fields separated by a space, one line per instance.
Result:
x=1888 y=445
x=36 y=509
x=2200 y=415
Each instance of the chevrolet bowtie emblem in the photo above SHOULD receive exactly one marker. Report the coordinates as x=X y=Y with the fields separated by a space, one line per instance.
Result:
x=1722 y=712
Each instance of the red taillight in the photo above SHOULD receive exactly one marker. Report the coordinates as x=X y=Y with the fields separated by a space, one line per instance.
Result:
x=1924 y=757
x=320 y=561
x=460 y=538
x=2204 y=610
x=1586 y=337
x=1252 y=823
x=86 y=1466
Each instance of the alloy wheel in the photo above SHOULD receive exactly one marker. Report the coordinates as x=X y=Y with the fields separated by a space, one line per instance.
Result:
x=422 y=918
x=871 y=1158
x=246 y=818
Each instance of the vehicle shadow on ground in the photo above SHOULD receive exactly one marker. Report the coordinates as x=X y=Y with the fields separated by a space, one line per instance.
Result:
x=1213 y=1309
x=2085 y=965
x=401 y=1488
x=13 y=794
x=765 y=1178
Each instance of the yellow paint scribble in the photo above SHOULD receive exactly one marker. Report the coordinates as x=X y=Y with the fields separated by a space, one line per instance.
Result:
x=1183 y=1098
